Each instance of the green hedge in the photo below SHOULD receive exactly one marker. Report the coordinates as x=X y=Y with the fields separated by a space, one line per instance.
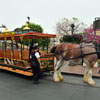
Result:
x=72 y=38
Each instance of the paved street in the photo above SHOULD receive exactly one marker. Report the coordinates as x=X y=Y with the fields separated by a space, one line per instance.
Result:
x=18 y=87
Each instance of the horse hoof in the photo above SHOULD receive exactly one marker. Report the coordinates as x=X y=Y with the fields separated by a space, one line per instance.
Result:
x=85 y=80
x=56 y=80
x=61 y=79
x=92 y=83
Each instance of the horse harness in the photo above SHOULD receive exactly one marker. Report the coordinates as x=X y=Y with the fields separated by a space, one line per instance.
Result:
x=82 y=55
x=97 y=47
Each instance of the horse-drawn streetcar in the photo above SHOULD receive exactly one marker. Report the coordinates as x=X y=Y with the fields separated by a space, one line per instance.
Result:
x=14 y=54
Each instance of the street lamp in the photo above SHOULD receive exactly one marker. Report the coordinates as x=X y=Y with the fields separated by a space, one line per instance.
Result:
x=72 y=26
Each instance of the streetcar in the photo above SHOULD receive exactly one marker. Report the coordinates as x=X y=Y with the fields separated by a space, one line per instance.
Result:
x=14 y=53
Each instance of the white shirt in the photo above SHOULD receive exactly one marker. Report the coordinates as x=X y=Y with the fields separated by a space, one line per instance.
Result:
x=37 y=54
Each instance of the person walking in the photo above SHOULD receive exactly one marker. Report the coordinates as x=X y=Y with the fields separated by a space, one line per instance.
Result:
x=35 y=64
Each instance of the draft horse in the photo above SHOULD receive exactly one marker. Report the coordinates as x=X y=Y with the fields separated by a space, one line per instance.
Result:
x=85 y=53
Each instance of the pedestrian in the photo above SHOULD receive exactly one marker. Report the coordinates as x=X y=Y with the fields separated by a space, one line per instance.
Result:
x=35 y=64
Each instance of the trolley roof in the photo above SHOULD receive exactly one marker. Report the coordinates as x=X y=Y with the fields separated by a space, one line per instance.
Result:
x=27 y=35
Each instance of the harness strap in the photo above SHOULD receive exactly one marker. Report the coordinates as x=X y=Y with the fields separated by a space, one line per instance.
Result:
x=97 y=47
x=82 y=55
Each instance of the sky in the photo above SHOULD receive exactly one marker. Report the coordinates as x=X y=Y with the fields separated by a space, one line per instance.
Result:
x=13 y=13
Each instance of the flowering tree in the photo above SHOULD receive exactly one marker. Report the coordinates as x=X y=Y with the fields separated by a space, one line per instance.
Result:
x=63 y=27
x=90 y=34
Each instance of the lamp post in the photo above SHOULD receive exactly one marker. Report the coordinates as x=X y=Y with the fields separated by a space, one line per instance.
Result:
x=72 y=26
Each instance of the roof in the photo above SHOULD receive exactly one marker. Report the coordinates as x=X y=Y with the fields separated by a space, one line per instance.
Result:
x=27 y=35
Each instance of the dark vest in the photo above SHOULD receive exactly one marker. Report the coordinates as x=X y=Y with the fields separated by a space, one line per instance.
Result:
x=33 y=59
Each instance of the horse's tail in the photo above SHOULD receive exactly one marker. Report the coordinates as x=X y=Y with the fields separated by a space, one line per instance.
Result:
x=53 y=49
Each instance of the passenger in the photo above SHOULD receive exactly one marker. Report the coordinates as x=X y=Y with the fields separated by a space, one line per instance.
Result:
x=35 y=64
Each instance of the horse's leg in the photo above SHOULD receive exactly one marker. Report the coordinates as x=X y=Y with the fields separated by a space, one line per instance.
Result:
x=57 y=74
x=60 y=75
x=85 y=78
x=85 y=64
x=90 y=80
x=88 y=75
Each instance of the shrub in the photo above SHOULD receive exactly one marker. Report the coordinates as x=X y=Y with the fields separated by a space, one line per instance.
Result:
x=72 y=38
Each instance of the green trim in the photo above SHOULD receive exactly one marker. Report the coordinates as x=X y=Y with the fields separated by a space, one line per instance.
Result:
x=47 y=62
